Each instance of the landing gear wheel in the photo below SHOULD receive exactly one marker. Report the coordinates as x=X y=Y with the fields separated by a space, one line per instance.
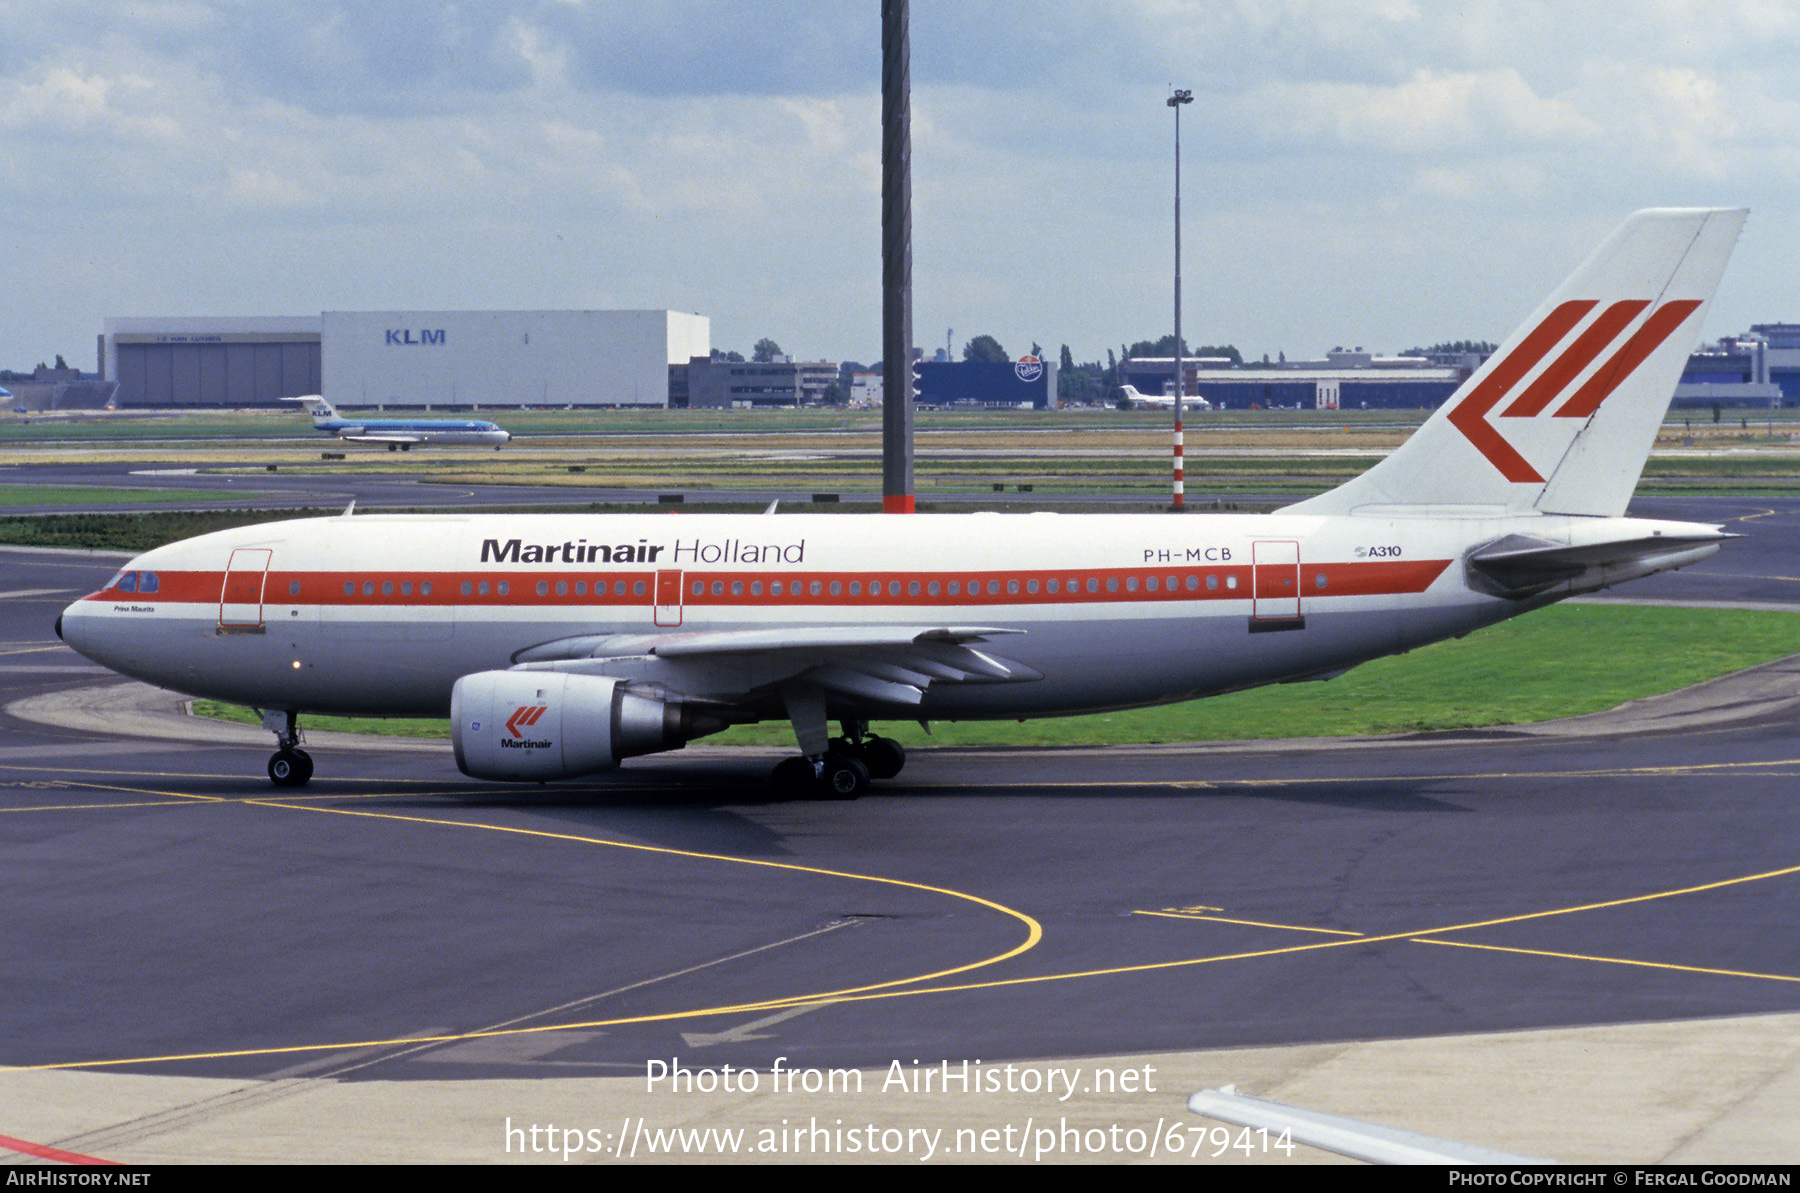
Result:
x=844 y=777
x=290 y=768
x=882 y=755
x=836 y=776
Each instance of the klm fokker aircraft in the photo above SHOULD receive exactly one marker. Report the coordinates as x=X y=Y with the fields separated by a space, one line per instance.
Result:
x=401 y=433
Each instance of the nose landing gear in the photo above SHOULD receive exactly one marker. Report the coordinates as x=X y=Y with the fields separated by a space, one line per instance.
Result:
x=290 y=766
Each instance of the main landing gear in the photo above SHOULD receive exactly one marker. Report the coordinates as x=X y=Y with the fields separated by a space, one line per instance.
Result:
x=843 y=769
x=289 y=766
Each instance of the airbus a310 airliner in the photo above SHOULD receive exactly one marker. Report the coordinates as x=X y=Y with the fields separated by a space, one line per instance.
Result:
x=560 y=644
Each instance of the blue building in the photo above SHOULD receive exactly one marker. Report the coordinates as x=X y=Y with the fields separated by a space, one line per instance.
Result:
x=1026 y=382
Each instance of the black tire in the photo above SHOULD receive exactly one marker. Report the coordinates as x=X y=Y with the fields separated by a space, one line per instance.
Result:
x=883 y=756
x=290 y=768
x=844 y=777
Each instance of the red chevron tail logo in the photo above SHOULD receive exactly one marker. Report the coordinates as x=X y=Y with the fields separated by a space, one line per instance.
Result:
x=1471 y=414
x=524 y=717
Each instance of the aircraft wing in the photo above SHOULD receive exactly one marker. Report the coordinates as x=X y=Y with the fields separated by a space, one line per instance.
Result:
x=382 y=437
x=880 y=664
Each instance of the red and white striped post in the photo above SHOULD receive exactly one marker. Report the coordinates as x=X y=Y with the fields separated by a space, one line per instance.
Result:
x=1175 y=101
x=1176 y=504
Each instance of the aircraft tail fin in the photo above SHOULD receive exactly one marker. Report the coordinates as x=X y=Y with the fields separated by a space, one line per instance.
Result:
x=1561 y=419
x=316 y=405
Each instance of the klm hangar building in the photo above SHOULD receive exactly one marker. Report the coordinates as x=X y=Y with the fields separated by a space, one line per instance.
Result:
x=405 y=359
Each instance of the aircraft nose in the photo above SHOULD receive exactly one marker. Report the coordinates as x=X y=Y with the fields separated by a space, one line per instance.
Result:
x=65 y=622
x=70 y=624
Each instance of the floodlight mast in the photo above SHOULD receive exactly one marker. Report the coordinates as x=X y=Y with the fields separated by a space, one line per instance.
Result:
x=896 y=261
x=1175 y=101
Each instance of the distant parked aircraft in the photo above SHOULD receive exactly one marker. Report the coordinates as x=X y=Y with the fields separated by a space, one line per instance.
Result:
x=400 y=433
x=1142 y=401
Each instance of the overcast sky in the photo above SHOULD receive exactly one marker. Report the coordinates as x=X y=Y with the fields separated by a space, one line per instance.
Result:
x=1381 y=173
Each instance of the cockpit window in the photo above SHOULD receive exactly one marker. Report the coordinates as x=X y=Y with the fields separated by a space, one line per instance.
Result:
x=147 y=582
x=128 y=582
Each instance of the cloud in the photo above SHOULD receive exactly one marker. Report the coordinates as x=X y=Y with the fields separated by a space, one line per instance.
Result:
x=1429 y=112
x=722 y=155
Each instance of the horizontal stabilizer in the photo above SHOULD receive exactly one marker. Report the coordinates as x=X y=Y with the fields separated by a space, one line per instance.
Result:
x=314 y=403
x=1519 y=566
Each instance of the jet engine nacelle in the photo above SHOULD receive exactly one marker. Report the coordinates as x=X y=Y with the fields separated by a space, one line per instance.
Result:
x=539 y=725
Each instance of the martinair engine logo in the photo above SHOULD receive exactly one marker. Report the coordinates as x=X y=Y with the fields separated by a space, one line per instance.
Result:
x=524 y=717
x=1471 y=414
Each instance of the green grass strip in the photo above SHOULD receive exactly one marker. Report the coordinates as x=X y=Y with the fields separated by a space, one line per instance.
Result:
x=91 y=495
x=1558 y=662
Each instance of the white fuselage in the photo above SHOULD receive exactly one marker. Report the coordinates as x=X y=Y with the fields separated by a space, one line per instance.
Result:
x=406 y=431
x=382 y=614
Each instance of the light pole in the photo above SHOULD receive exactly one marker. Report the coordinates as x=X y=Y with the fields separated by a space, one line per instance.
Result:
x=1175 y=101
x=896 y=260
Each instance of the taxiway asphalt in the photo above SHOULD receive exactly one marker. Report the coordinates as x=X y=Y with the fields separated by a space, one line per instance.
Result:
x=1454 y=932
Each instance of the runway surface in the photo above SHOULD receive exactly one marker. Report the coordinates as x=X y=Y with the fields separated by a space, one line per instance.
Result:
x=244 y=486
x=397 y=923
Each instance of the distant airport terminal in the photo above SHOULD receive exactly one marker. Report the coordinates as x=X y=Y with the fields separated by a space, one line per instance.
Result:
x=472 y=360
